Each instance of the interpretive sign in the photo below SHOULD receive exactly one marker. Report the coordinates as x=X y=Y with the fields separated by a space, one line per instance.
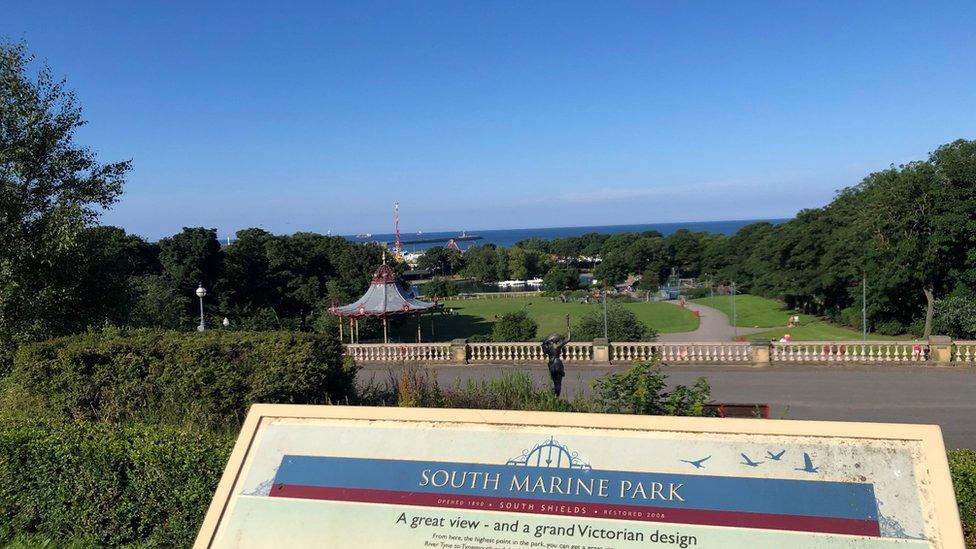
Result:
x=338 y=476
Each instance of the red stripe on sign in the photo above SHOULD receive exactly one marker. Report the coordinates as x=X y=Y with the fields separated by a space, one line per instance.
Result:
x=769 y=521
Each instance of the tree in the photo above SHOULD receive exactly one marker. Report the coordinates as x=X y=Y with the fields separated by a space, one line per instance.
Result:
x=480 y=263
x=517 y=326
x=916 y=221
x=560 y=279
x=51 y=188
x=955 y=316
x=441 y=260
x=440 y=287
x=650 y=281
x=622 y=325
x=192 y=258
x=613 y=269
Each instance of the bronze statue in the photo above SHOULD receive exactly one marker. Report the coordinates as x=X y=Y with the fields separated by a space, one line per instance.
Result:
x=551 y=347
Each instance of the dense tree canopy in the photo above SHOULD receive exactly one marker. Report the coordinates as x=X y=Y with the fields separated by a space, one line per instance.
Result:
x=51 y=188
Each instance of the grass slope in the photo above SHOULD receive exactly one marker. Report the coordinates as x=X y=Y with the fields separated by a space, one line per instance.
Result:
x=760 y=312
x=753 y=311
x=476 y=316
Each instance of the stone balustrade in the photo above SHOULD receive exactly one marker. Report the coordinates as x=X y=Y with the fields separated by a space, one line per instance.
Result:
x=683 y=353
x=936 y=351
x=964 y=352
x=867 y=352
x=523 y=352
x=366 y=353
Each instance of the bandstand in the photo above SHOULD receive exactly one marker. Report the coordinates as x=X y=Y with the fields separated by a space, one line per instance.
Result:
x=385 y=298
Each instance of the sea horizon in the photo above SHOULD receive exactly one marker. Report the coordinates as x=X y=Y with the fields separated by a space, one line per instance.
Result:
x=509 y=237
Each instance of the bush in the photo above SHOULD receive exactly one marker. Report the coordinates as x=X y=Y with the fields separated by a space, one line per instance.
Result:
x=622 y=325
x=106 y=485
x=962 y=465
x=955 y=317
x=851 y=316
x=517 y=326
x=890 y=328
x=514 y=391
x=641 y=390
x=439 y=287
x=560 y=279
x=208 y=378
x=696 y=293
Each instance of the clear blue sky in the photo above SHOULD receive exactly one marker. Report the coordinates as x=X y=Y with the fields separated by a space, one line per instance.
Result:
x=318 y=116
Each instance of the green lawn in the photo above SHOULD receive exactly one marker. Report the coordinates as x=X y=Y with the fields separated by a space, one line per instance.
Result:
x=760 y=312
x=476 y=316
x=819 y=330
x=753 y=311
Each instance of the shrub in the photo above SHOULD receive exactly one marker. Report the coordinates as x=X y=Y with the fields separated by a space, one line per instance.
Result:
x=955 y=316
x=641 y=390
x=851 y=316
x=208 y=378
x=104 y=484
x=561 y=279
x=962 y=465
x=890 y=328
x=696 y=293
x=622 y=325
x=517 y=326
x=440 y=287
x=514 y=391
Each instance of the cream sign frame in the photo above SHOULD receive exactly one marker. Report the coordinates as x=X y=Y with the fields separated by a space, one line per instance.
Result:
x=342 y=476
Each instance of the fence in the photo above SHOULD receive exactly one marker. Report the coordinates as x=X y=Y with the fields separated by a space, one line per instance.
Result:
x=367 y=353
x=495 y=353
x=684 y=353
x=964 y=352
x=936 y=351
x=819 y=352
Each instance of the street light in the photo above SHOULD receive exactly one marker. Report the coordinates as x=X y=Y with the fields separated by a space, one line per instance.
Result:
x=201 y=293
x=605 y=336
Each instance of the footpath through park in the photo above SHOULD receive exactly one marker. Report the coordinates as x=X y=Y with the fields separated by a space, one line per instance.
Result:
x=713 y=326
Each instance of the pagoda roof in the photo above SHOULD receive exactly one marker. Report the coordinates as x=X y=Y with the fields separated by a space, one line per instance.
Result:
x=385 y=297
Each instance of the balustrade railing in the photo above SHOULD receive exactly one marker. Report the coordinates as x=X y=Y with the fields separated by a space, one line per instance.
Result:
x=674 y=353
x=932 y=352
x=964 y=352
x=818 y=352
x=525 y=352
x=399 y=352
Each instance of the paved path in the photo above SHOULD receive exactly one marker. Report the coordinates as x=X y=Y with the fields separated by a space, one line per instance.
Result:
x=843 y=393
x=713 y=326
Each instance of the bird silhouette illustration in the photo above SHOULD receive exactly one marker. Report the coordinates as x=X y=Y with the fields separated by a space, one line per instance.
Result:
x=775 y=457
x=749 y=462
x=807 y=464
x=697 y=462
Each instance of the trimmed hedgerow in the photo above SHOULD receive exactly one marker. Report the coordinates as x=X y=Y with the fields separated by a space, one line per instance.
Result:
x=178 y=378
x=962 y=464
x=104 y=484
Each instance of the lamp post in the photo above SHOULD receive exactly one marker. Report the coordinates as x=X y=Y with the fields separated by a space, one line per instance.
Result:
x=735 y=329
x=201 y=293
x=605 y=336
x=864 y=306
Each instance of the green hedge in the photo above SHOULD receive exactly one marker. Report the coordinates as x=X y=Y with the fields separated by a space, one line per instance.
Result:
x=106 y=485
x=962 y=464
x=100 y=484
x=176 y=378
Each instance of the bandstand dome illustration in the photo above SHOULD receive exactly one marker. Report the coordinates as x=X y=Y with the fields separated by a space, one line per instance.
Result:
x=385 y=298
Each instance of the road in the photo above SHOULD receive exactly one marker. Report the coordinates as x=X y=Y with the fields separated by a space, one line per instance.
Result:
x=901 y=394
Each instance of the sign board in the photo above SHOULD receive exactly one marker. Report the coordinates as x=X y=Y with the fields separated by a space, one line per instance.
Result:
x=357 y=477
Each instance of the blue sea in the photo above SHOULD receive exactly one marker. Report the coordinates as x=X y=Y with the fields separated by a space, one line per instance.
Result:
x=508 y=237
